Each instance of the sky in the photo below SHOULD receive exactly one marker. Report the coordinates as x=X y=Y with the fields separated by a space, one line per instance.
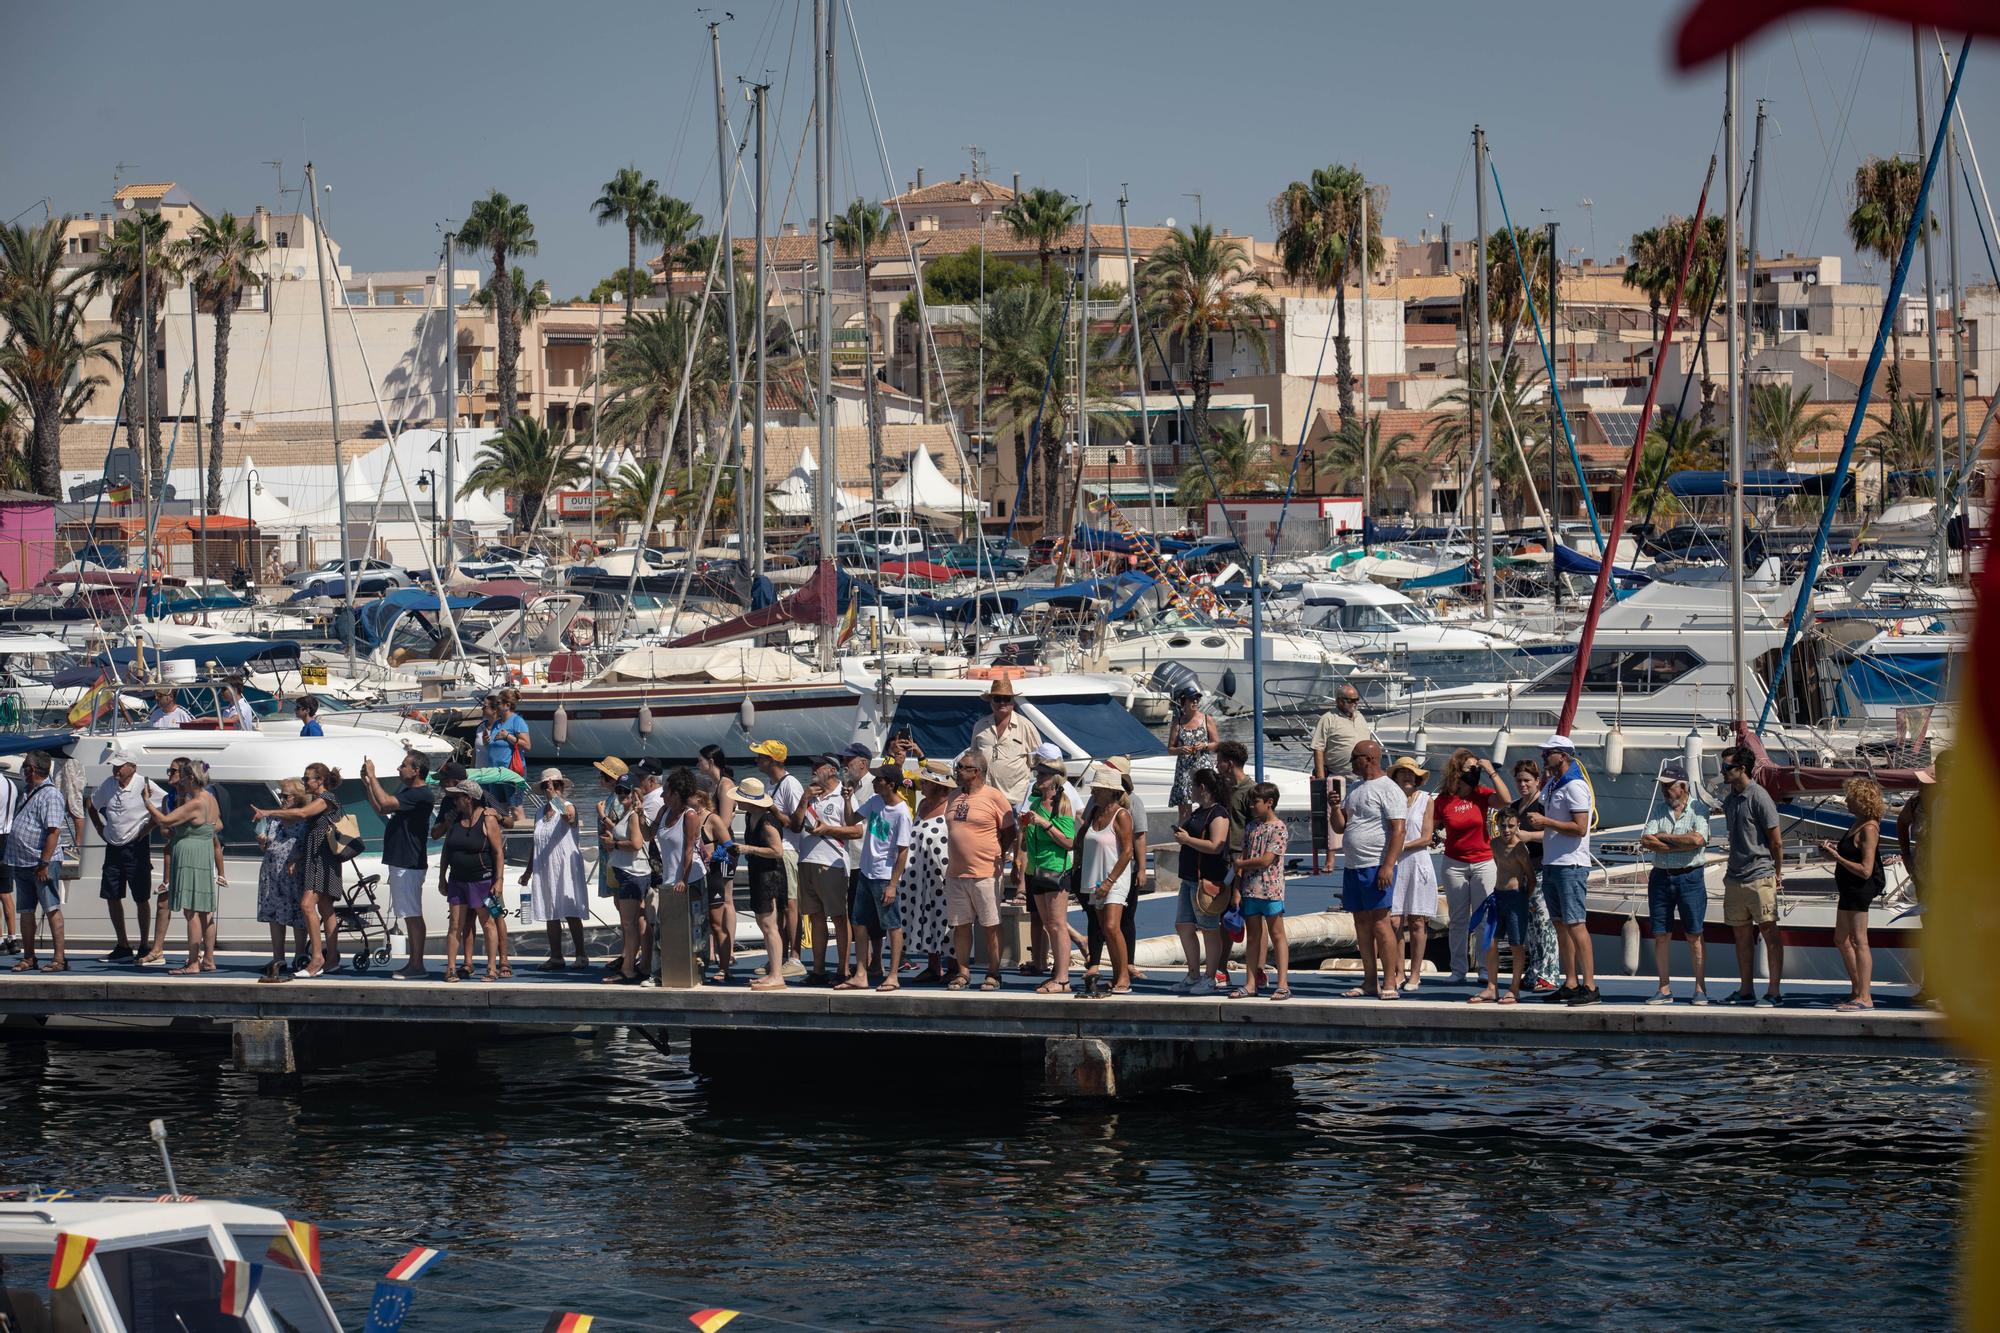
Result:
x=411 y=111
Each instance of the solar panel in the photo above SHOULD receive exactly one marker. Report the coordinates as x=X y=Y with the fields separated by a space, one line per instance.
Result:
x=1620 y=428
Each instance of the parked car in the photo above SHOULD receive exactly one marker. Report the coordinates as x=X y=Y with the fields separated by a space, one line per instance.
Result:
x=370 y=576
x=848 y=553
x=968 y=558
x=504 y=562
x=1006 y=548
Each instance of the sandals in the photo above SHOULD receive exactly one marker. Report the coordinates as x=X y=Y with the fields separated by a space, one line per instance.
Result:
x=845 y=984
x=1119 y=990
x=1052 y=987
x=1849 y=1007
x=551 y=965
x=1508 y=997
x=1357 y=993
x=191 y=970
x=1282 y=993
x=768 y=983
x=505 y=971
x=958 y=983
x=1243 y=993
x=888 y=984
x=1483 y=998
x=991 y=983
x=63 y=966
x=617 y=977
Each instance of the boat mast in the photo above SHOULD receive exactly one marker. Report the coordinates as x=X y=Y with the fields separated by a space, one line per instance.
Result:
x=823 y=331
x=1367 y=454
x=450 y=557
x=1957 y=323
x=1485 y=392
x=596 y=410
x=1138 y=359
x=754 y=501
x=347 y=571
x=1923 y=226
x=1734 y=391
x=725 y=165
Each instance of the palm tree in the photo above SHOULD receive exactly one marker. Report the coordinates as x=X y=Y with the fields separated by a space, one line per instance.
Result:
x=644 y=370
x=1240 y=465
x=1507 y=295
x=138 y=243
x=46 y=355
x=1023 y=338
x=219 y=255
x=1653 y=265
x=625 y=279
x=1782 y=420
x=1519 y=429
x=1318 y=221
x=671 y=224
x=526 y=462
x=628 y=199
x=1687 y=445
x=1039 y=217
x=855 y=231
x=499 y=227
x=1398 y=460
x=524 y=301
x=1196 y=286
x=1903 y=442
x=1885 y=199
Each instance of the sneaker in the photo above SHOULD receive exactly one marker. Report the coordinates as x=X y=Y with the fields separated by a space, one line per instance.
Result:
x=1768 y=1002
x=1700 y=998
x=123 y=953
x=12 y=944
x=1660 y=997
x=1186 y=985
x=1588 y=995
x=794 y=968
x=1561 y=995
x=1205 y=986
x=1544 y=984
x=1457 y=979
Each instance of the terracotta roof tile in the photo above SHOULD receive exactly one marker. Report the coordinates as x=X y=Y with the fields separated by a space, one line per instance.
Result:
x=953 y=192
x=786 y=251
x=153 y=190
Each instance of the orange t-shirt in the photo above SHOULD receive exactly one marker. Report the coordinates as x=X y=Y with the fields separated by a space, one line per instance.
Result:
x=974 y=821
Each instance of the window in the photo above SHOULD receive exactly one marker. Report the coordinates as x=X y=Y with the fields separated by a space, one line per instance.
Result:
x=1616 y=670
x=1098 y=725
x=1792 y=319
x=172 y=1287
x=284 y=240
x=1444 y=500
x=286 y=1289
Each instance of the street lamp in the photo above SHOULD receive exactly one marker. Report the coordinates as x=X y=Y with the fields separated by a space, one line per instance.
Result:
x=425 y=480
x=250 y=489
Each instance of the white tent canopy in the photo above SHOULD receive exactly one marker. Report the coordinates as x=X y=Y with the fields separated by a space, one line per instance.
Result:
x=924 y=487
x=795 y=496
x=261 y=506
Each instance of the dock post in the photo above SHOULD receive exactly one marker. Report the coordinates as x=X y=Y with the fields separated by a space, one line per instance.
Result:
x=1101 y=1068
x=263 y=1046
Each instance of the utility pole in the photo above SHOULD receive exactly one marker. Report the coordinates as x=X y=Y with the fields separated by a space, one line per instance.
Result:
x=1485 y=390
x=347 y=571
x=754 y=502
x=1732 y=134
x=1923 y=226
x=725 y=163
x=1139 y=361
x=450 y=559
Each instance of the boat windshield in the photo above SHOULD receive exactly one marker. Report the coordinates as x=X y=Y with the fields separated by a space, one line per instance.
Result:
x=287 y=1288
x=1100 y=726
x=168 y=1287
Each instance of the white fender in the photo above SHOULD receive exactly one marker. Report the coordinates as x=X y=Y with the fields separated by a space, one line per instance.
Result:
x=1628 y=936
x=1501 y=744
x=559 y=728
x=1614 y=752
x=645 y=720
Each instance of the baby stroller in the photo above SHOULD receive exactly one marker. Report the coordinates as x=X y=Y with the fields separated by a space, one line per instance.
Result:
x=360 y=912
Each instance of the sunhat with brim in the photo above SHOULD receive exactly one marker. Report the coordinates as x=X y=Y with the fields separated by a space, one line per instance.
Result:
x=611 y=767
x=1561 y=744
x=938 y=771
x=551 y=775
x=1405 y=764
x=750 y=791
x=1002 y=688
x=775 y=751
x=1107 y=778
x=467 y=787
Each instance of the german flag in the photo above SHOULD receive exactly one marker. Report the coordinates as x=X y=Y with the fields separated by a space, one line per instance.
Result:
x=709 y=1321
x=564 y=1322
x=1962 y=924
x=72 y=1253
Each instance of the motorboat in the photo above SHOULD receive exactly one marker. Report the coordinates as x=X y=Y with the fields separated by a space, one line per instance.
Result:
x=131 y=1263
x=1379 y=626
x=1299 y=673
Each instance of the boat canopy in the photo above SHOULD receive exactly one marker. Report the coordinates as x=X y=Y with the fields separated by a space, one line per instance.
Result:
x=375 y=621
x=1104 y=539
x=1569 y=560
x=224 y=654
x=1456 y=576
x=1755 y=482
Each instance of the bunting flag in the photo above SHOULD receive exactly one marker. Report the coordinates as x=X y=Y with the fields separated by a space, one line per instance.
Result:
x=239 y=1285
x=708 y=1321
x=72 y=1253
x=413 y=1264
x=389 y=1307
x=304 y=1247
x=564 y=1322
x=94 y=703
x=52 y=1195
x=120 y=493
x=1962 y=923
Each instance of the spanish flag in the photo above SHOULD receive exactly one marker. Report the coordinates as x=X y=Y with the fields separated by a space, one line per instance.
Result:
x=120 y=493
x=564 y=1322
x=296 y=1247
x=848 y=619
x=72 y=1253
x=1962 y=926
x=709 y=1321
x=94 y=703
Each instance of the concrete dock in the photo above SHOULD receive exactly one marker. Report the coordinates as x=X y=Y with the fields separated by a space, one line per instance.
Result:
x=1083 y=1047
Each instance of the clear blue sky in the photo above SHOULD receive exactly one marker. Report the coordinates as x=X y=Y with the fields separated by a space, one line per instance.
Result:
x=410 y=110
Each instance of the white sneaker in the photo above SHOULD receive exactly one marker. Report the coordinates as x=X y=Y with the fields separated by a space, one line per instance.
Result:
x=1205 y=986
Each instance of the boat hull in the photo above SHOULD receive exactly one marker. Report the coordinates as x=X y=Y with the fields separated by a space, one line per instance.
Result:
x=814 y=718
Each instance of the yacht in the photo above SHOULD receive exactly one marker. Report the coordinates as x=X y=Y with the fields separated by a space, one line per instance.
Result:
x=1378 y=626
x=1299 y=672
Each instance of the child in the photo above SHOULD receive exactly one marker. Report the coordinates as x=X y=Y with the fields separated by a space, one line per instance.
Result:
x=887 y=831
x=1260 y=890
x=1514 y=885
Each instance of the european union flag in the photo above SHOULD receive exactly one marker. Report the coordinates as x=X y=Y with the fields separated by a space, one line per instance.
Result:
x=389 y=1306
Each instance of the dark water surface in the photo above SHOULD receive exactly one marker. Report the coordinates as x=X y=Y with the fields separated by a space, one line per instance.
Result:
x=1427 y=1190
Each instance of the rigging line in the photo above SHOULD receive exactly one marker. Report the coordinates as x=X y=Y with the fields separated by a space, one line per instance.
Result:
x=1200 y=454
x=1812 y=104
x=1035 y=433
x=1840 y=135
x=1312 y=394
x=1458 y=183
x=687 y=116
x=1972 y=154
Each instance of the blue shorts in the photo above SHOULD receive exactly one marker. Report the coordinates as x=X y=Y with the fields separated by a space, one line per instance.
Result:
x=1512 y=916
x=629 y=886
x=30 y=892
x=1263 y=907
x=1359 y=893
x=503 y=795
x=867 y=910
x=1564 y=888
x=1185 y=915
x=1679 y=892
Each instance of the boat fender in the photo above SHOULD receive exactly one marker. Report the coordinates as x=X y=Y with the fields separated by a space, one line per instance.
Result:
x=1691 y=757
x=746 y=715
x=559 y=726
x=645 y=720
x=1502 y=742
x=1628 y=937
x=1614 y=752
x=1229 y=681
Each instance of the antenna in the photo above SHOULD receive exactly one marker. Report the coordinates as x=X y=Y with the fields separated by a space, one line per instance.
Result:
x=1196 y=196
x=118 y=174
x=278 y=165
x=978 y=156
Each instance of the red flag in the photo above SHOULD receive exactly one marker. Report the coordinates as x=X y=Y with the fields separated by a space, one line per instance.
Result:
x=1711 y=27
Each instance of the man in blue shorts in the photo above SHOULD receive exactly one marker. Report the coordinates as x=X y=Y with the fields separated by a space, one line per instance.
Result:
x=1370 y=822
x=1565 y=829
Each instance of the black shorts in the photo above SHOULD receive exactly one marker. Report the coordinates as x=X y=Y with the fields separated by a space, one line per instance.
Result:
x=1857 y=897
x=128 y=868
x=767 y=891
x=717 y=886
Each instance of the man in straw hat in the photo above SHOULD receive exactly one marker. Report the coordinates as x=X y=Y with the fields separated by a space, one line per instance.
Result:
x=762 y=848
x=1008 y=743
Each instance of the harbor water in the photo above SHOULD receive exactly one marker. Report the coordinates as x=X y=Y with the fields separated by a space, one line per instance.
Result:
x=1432 y=1189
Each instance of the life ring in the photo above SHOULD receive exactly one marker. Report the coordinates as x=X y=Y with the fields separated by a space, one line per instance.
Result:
x=156 y=558
x=583 y=548
x=582 y=633
x=184 y=617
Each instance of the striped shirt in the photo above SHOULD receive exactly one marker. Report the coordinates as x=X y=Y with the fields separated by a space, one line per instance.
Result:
x=41 y=810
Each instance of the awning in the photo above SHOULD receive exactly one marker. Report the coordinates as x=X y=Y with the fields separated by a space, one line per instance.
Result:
x=227 y=654
x=1569 y=560
x=1705 y=484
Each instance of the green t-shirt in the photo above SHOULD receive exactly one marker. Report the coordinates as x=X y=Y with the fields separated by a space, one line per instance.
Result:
x=1046 y=856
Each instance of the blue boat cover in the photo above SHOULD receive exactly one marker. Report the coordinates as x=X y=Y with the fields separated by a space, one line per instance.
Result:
x=1569 y=560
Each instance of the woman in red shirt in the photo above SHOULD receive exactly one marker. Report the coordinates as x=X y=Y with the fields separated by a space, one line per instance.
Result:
x=1464 y=804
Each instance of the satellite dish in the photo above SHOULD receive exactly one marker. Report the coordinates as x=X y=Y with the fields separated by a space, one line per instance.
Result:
x=1168 y=223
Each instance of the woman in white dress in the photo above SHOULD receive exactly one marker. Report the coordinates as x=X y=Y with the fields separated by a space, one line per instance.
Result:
x=560 y=891
x=1413 y=900
x=922 y=888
